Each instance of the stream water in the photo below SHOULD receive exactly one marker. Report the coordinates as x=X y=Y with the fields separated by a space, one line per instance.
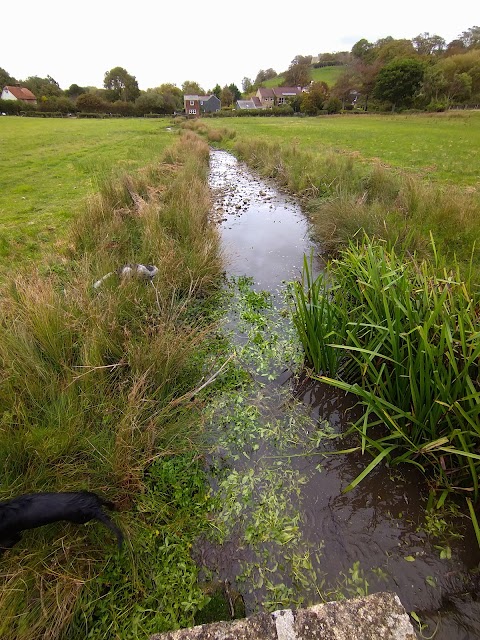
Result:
x=287 y=534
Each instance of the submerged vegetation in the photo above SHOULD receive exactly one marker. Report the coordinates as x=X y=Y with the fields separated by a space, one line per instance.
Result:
x=97 y=393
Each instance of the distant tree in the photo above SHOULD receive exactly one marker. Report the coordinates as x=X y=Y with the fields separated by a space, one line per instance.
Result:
x=398 y=81
x=455 y=47
x=226 y=97
x=460 y=89
x=427 y=45
x=43 y=86
x=74 y=91
x=366 y=77
x=121 y=85
x=54 y=103
x=471 y=38
x=150 y=102
x=236 y=93
x=247 y=85
x=90 y=103
x=189 y=87
x=363 y=50
x=345 y=87
x=314 y=99
x=217 y=91
x=261 y=77
x=388 y=49
x=298 y=73
x=434 y=85
x=6 y=78
x=454 y=66
x=270 y=73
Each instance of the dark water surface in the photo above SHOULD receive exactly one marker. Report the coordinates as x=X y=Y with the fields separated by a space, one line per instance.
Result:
x=330 y=542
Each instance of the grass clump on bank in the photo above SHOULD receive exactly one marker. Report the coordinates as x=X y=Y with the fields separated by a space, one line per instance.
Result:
x=403 y=335
x=96 y=394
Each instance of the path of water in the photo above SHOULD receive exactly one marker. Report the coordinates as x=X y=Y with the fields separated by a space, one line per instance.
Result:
x=287 y=535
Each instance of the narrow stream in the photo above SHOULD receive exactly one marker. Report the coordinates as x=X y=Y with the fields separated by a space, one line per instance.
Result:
x=287 y=535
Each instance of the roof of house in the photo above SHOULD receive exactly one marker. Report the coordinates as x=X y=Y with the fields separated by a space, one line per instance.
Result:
x=21 y=93
x=212 y=95
x=279 y=92
x=265 y=92
x=192 y=97
x=248 y=104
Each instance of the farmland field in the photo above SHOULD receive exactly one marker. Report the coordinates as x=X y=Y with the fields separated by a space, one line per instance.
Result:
x=48 y=166
x=443 y=147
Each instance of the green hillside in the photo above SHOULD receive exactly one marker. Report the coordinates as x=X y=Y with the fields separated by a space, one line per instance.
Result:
x=323 y=74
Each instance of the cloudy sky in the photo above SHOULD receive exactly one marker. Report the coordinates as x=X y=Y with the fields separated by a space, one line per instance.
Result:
x=208 y=41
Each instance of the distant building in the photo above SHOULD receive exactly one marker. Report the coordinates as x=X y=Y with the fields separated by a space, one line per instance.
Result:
x=276 y=96
x=210 y=104
x=192 y=106
x=196 y=105
x=253 y=103
x=18 y=93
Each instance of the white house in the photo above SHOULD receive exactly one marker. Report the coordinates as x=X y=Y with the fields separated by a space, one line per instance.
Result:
x=18 y=93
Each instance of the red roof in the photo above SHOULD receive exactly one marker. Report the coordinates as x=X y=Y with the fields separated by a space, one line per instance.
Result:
x=21 y=93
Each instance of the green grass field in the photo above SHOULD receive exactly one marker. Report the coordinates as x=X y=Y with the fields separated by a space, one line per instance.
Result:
x=52 y=164
x=323 y=74
x=443 y=147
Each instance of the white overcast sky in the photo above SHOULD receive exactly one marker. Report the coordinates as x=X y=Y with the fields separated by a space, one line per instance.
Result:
x=208 y=41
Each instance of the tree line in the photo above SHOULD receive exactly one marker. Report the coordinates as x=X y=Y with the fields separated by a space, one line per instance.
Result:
x=424 y=72
x=120 y=95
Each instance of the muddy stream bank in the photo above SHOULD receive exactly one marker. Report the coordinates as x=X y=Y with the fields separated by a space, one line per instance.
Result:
x=286 y=535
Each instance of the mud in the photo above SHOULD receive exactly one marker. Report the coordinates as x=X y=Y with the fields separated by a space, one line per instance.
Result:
x=373 y=534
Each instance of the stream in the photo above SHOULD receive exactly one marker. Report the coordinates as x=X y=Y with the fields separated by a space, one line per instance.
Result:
x=284 y=532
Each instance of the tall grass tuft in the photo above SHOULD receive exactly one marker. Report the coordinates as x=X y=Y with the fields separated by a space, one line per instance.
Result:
x=407 y=334
x=93 y=388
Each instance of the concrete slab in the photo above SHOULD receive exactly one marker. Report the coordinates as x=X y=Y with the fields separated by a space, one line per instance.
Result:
x=380 y=616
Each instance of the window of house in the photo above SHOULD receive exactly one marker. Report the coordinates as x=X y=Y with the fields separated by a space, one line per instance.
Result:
x=192 y=112
x=192 y=102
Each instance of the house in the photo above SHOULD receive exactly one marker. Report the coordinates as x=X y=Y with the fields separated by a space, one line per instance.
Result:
x=196 y=105
x=276 y=96
x=191 y=104
x=253 y=103
x=210 y=104
x=18 y=93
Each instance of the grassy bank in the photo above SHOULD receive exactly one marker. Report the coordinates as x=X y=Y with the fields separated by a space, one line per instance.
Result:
x=50 y=165
x=345 y=197
x=441 y=147
x=96 y=394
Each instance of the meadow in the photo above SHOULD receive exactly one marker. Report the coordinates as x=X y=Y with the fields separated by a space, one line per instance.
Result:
x=323 y=74
x=440 y=147
x=48 y=167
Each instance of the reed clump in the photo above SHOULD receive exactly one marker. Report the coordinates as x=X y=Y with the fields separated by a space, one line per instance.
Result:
x=403 y=335
x=94 y=395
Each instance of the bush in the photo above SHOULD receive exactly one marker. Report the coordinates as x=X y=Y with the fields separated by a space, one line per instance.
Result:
x=437 y=106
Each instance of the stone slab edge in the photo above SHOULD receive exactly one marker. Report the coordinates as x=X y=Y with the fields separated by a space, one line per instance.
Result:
x=380 y=616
